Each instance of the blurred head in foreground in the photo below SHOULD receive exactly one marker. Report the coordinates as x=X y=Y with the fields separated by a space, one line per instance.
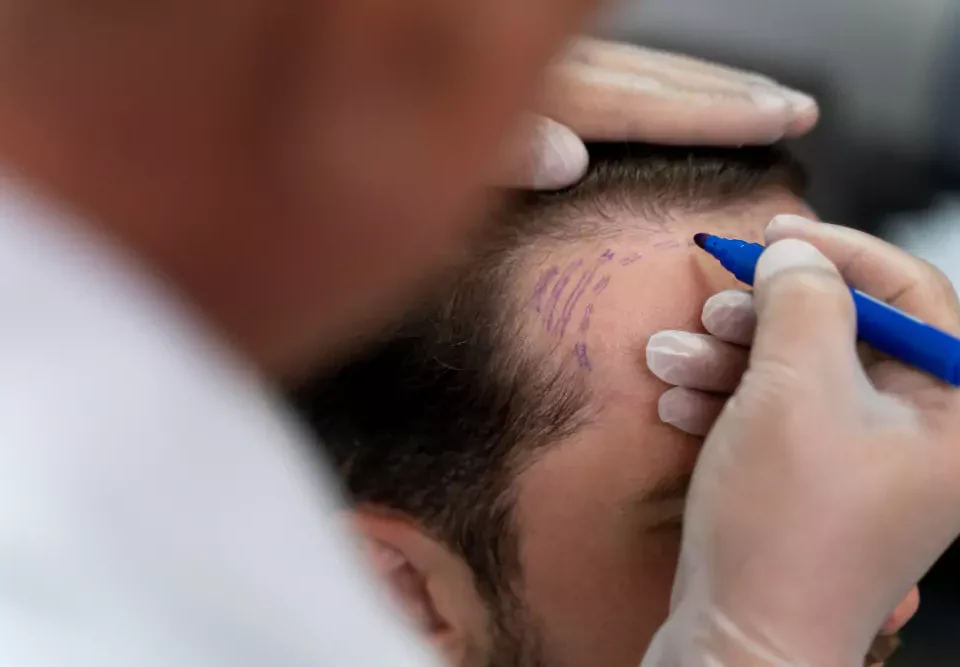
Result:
x=289 y=166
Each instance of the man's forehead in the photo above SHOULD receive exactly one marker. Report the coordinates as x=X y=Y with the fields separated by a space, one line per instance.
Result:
x=594 y=301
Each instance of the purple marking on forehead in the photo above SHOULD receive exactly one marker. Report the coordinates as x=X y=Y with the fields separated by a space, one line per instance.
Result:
x=571 y=303
x=557 y=292
x=665 y=245
x=608 y=255
x=587 y=314
x=630 y=259
x=580 y=351
x=540 y=290
x=601 y=284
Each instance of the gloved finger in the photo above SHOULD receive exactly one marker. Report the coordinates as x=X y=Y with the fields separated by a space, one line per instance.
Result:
x=903 y=613
x=542 y=155
x=627 y=57
x=806 y=323
x=690 y=411
x=730 y=316
x=608 y=105
x=675 y=70
x=696 y=361
x=878 y=268
x=681 y=71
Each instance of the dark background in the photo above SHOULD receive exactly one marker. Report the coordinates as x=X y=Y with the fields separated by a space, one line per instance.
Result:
x=887 y=73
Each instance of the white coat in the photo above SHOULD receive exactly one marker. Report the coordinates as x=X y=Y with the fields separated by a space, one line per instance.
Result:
x=157 y=506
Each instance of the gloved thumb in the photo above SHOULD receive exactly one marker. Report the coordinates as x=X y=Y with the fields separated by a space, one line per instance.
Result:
x=806 y=320
x=546 y=156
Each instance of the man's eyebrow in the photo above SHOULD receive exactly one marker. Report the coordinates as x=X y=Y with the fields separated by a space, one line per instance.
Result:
x=668 y=488
x=661 y=507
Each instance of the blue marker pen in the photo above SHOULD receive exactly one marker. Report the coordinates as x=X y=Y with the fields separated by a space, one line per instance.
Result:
x=881 y=326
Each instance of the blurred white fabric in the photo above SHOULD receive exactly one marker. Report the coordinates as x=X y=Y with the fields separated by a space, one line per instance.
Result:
x=157 y=507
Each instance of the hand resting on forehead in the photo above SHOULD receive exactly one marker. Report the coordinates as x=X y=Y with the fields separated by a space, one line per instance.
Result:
x=510 y=477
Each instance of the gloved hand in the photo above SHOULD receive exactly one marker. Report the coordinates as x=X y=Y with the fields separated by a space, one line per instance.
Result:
x=610 y=91
x=705 y=369
x=825 y=490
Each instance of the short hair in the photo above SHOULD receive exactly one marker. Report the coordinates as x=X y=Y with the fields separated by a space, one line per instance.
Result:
x=435 y=421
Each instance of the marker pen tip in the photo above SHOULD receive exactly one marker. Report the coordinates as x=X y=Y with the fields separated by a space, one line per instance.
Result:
x=701 y=239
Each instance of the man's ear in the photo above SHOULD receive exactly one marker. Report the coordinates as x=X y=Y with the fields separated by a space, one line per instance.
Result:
x=432 y=585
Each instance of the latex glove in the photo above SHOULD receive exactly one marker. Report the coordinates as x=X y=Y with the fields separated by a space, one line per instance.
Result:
x=706 y=368
x=825 y=490
x=610 y=91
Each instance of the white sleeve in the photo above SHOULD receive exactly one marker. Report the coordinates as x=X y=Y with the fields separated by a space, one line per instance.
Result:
x=156 y=508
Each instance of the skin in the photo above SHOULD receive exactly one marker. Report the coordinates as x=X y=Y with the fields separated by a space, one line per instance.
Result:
x=598 y=515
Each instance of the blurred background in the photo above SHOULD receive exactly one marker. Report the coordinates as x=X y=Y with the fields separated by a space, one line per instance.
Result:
x=886 y=157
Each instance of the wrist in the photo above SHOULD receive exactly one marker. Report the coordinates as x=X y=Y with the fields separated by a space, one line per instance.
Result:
x=709 y=637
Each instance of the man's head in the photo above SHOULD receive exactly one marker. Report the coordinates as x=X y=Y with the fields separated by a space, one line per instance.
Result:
x=502 y=446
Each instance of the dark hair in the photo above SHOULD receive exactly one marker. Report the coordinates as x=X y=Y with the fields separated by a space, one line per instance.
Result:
x=435 y=421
